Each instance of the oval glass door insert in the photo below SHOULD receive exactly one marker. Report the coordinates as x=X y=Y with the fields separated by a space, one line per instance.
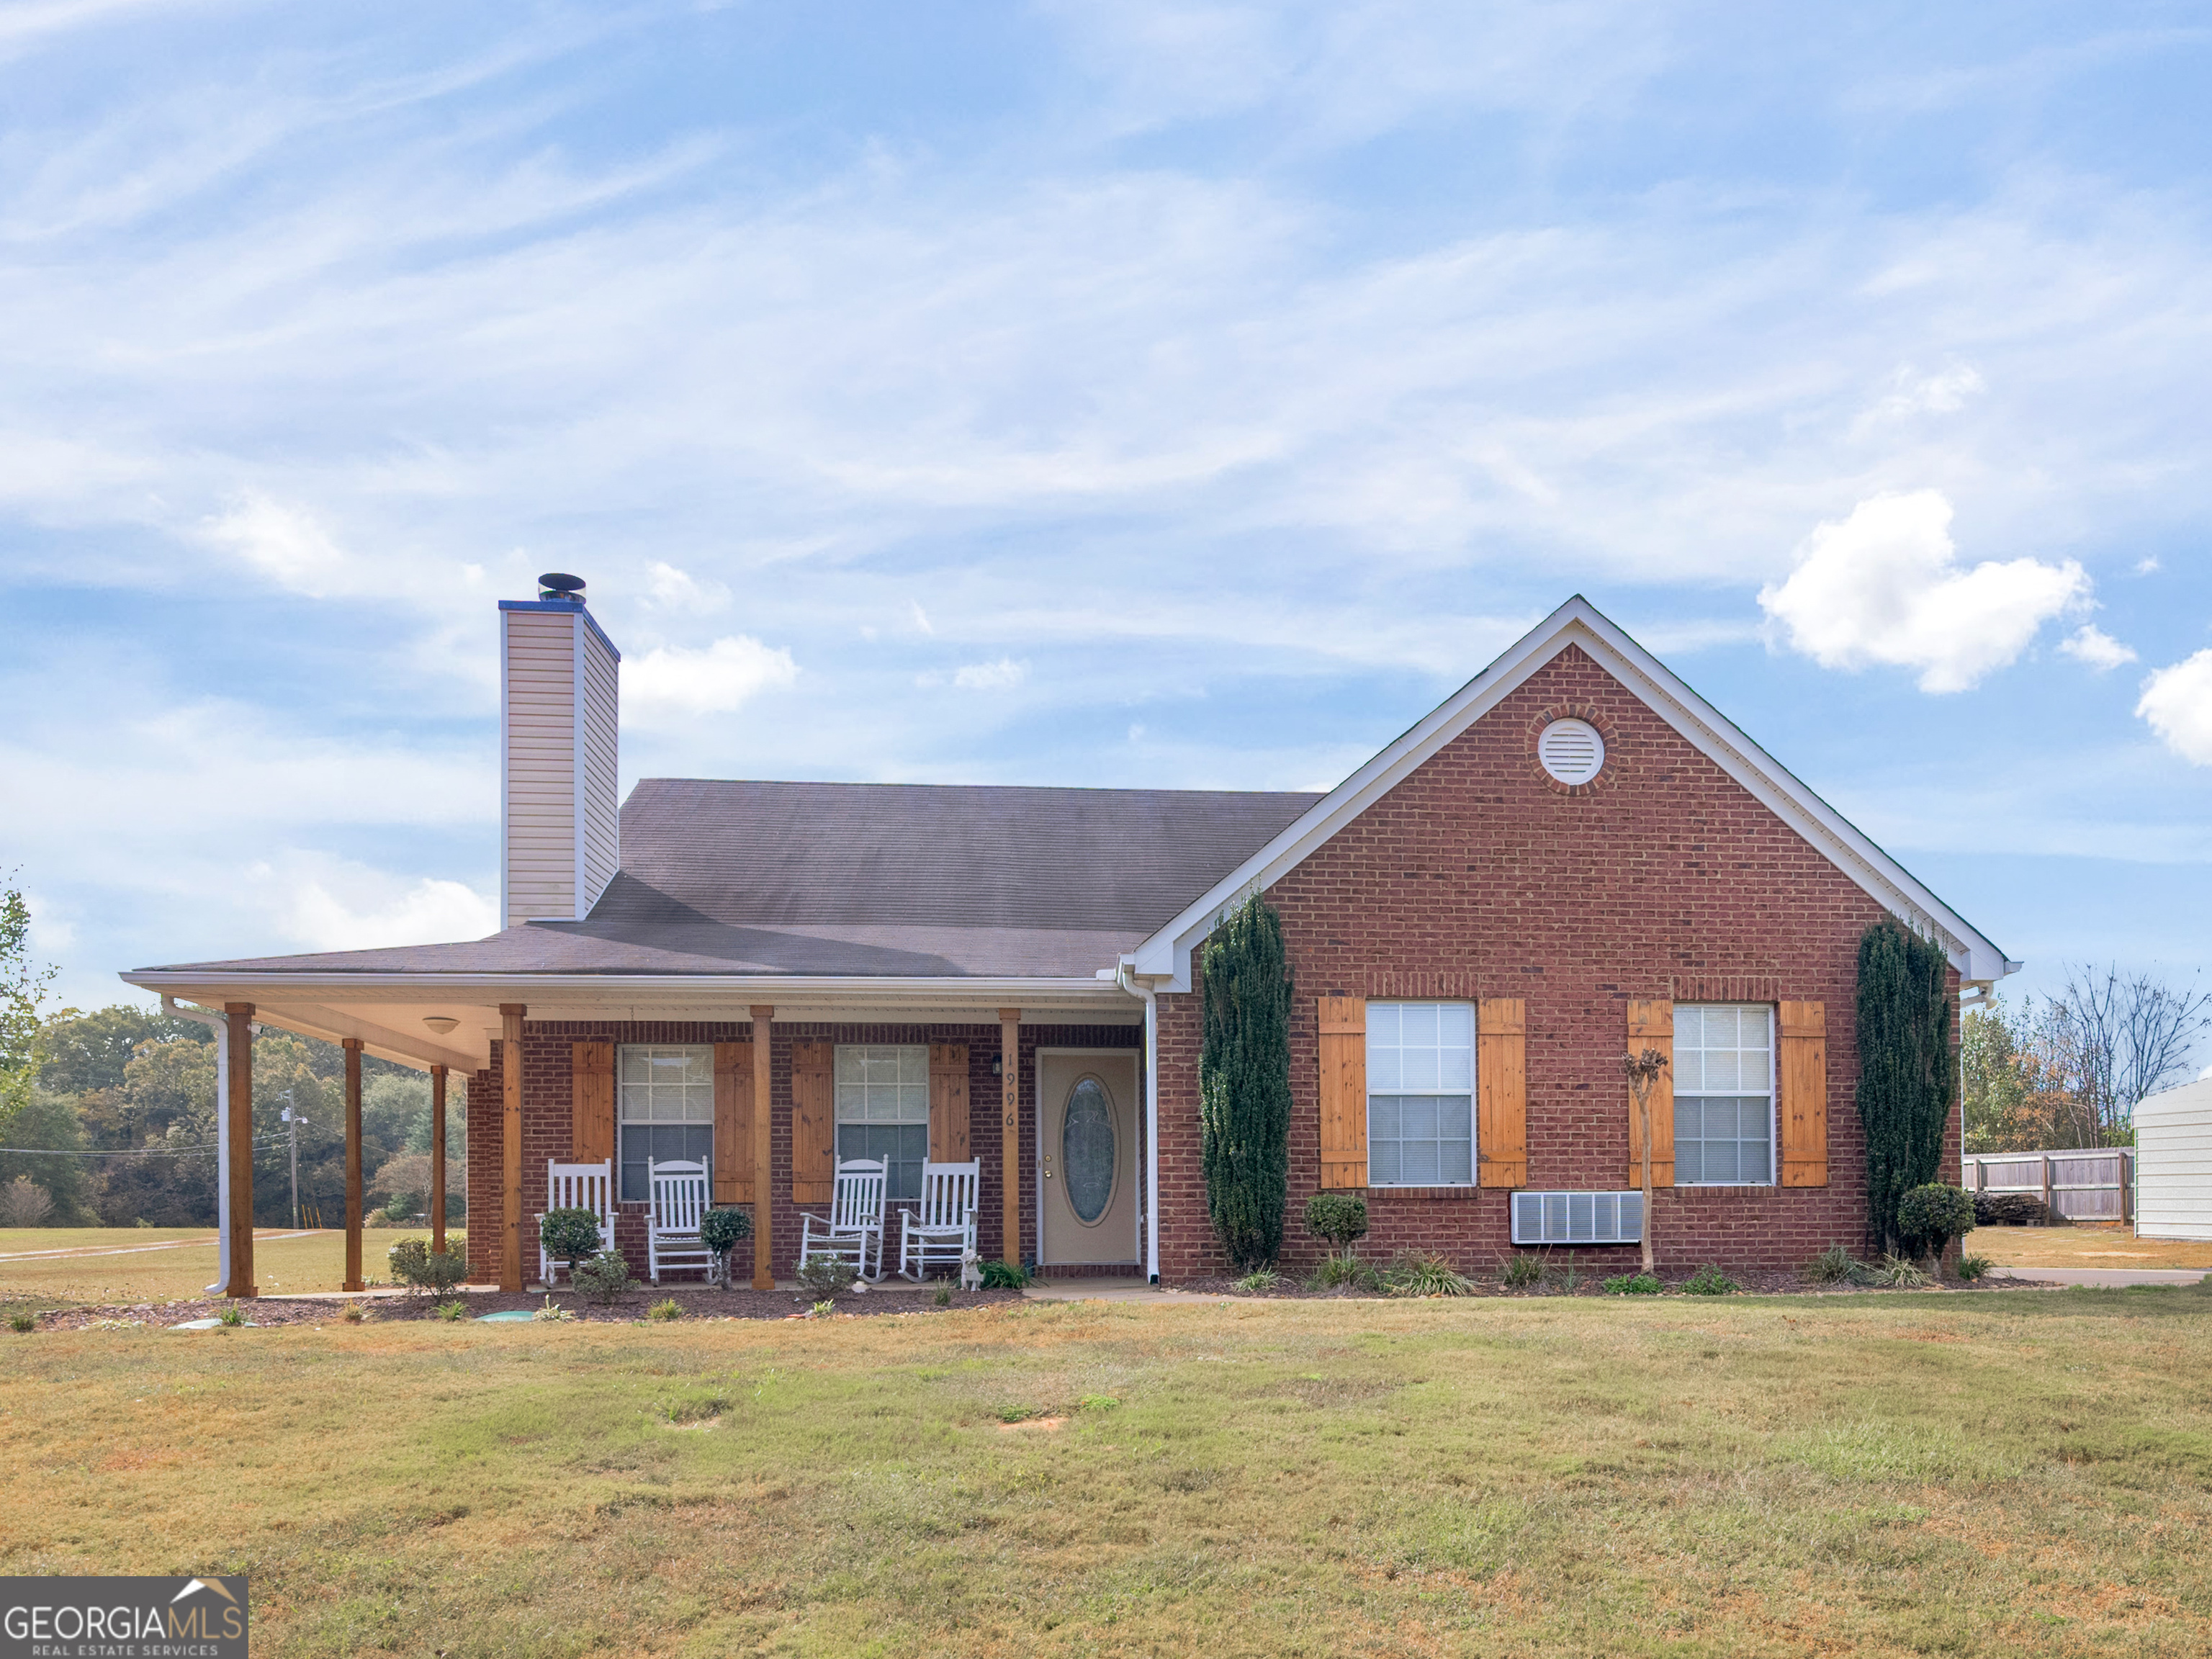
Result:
x=1086 y=1150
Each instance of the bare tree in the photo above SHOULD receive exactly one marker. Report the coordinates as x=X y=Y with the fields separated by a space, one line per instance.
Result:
x=24 y=1203
x=2115 y=1040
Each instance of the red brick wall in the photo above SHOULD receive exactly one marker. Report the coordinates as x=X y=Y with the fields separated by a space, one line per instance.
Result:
x=547 y=1115
x=1480 y=876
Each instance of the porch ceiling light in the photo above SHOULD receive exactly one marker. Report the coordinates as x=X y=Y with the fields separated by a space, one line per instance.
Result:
x=441 y=1024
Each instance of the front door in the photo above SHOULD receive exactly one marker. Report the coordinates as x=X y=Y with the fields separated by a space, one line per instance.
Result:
x=1087 y=1155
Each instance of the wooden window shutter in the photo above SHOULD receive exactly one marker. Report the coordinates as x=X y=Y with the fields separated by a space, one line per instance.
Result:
x=948 y=1102
x=733 y=1123
x=1501 y=1091
x=1651 y=1025
x=591 y=1101
x=1804 y=1102
x=813 y=1124
x=1343 y=1091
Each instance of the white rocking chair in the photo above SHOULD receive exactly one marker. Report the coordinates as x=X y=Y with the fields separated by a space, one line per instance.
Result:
x=577 y=1187
x=854 y=1229
x=672 y=1234
x=942 y=1231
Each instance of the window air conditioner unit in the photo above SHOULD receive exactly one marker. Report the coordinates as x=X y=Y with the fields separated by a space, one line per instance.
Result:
x=1578 y=1217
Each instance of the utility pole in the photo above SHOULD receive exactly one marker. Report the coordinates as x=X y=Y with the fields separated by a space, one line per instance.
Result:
x=291 y=1119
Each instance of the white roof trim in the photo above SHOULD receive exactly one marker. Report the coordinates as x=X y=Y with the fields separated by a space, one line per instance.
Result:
x=1166 y=956
x=198 y=984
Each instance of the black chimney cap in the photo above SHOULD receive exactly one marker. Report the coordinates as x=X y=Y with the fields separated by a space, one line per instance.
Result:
x=557 y=585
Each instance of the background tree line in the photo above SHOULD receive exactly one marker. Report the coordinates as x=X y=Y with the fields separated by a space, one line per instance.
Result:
x=2069 y=1069
x=123 y=1080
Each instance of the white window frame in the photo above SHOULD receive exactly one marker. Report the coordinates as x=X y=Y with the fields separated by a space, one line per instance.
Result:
x=702 y=1055
x=1473 y=1151
x=842 y=1088
x=1773 y=1121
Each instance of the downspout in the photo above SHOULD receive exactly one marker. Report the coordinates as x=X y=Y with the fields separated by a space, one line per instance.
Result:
x=1123 y=978
x=220 y=1024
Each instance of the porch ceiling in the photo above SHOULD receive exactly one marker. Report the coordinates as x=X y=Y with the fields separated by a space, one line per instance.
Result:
x=387 y=1012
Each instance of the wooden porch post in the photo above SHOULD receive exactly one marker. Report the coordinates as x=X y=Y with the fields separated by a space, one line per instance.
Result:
x=510 y=1079
x=437 y=1157
x=1010 y=1142
x=238 y=1032
x=763 y=1118
x=354 y=1281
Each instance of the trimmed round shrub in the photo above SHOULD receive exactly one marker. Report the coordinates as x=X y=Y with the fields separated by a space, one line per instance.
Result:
x=1337 y=1219
x=569 y=1235
x=1928 y=1217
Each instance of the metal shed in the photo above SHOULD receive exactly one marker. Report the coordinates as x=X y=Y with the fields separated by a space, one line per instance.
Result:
x=2173 y=1163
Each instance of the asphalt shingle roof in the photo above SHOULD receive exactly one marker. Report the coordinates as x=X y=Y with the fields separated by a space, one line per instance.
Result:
x=862 y=879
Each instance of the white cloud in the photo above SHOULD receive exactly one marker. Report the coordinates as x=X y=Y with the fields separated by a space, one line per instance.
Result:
x=1911 y=393
x=679 y=590
x=920 y=616
x=2092 y=645
x=2177 y=702
x=2148 y=565
x=1001 y=676
x=368 y=912
x=282 y=542
x=1882 y=586
x=671 y=682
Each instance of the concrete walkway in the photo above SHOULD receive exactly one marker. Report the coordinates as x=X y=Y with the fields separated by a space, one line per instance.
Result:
x=2105 y=1276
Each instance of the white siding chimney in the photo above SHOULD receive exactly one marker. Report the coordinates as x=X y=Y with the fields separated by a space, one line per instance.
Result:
x=560 y=693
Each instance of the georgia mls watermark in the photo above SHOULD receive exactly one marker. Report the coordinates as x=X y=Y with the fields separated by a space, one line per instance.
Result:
x=122 y=1617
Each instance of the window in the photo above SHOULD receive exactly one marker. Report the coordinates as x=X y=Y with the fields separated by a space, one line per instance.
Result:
x=1723 y=1095
x=667 y=1110
x=1420 y=1094
x=882 y=1110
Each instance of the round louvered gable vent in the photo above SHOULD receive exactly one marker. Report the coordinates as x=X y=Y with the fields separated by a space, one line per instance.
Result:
x=1571 y=751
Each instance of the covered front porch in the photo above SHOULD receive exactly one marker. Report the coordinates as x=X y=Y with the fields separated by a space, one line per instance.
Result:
x=561 y=1071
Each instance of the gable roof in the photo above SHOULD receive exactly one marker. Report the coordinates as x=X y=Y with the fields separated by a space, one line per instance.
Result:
x=1164 y=956
x=863 y=879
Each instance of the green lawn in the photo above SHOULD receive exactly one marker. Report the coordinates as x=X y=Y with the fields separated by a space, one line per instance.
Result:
x=122 y=1264
x=2001 y=1474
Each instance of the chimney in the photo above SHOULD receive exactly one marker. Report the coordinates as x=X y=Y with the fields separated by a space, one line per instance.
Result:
x=560 y=694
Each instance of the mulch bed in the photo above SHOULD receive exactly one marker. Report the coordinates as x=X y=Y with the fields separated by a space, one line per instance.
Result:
x=1752 y=1283
x=698 y=1302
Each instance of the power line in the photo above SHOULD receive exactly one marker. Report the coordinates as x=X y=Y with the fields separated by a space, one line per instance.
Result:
x=130 y=1151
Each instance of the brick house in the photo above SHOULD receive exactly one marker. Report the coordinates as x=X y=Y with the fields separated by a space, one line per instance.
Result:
x=1573 y=856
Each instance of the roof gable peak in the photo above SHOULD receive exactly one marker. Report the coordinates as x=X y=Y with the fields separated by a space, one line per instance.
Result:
x=1579 y=624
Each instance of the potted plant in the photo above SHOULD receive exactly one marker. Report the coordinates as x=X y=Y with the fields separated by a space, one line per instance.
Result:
x=722 y=1231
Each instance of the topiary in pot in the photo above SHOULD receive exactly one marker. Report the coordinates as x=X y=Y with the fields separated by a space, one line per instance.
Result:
x=722 y=1231
x=569 y=1235
x=1929 y=1217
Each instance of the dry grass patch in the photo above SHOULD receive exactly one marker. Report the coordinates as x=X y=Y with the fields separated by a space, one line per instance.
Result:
x=2086 y=1247
x=1281 y=1478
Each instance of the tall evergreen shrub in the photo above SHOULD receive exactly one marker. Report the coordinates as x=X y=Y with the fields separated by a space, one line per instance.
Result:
x=1244 y=1083
x=1908 y=1068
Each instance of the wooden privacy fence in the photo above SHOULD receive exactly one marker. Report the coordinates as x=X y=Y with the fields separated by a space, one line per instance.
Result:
x=2081 y=1184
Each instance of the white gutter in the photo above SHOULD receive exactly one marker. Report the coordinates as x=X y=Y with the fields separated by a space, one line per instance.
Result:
x=220 y=1024
x=1123 y=978
x=554 y=986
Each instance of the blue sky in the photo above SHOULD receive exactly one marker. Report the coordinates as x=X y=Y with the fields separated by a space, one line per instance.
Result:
x=1129 y=394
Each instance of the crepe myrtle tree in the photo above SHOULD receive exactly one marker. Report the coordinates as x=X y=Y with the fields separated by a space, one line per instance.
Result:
x=1244 y=1083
